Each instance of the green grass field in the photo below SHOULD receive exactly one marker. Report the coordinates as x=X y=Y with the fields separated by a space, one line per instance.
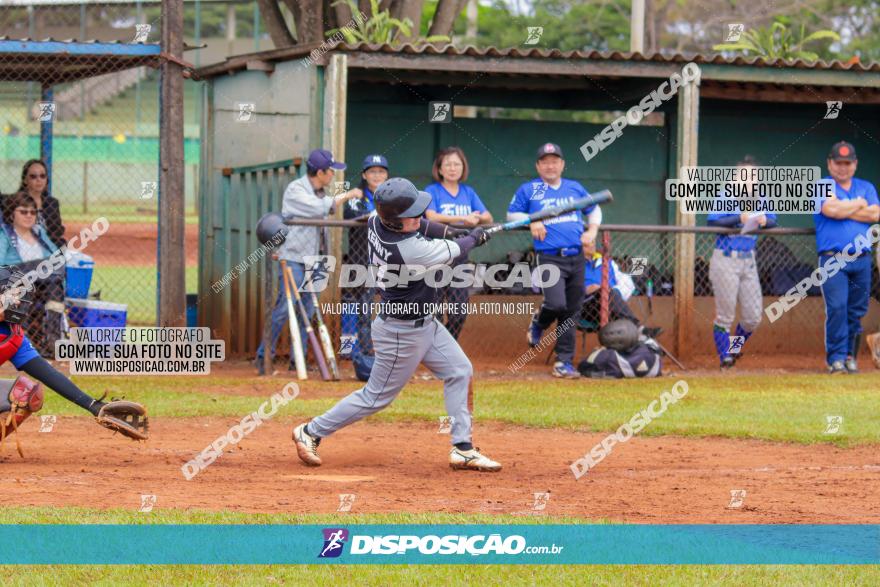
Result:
x=791 y=408
x=136 y=286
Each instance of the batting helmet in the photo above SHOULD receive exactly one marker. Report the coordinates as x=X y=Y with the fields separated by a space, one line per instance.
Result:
x=14 y=299
x=398 y=198
x=620 y=335
x=271 y=229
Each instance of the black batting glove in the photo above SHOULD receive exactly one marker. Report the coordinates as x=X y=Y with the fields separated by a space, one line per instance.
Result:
x=480 y=235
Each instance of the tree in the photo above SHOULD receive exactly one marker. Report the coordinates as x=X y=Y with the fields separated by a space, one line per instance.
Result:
x=776 y=41
x=387 y=19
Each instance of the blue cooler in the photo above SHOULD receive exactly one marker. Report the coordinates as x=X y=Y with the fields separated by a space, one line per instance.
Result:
x=79 y=275
x=94 y=313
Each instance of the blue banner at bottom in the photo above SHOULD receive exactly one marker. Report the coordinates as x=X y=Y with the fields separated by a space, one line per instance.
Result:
x=440 y=544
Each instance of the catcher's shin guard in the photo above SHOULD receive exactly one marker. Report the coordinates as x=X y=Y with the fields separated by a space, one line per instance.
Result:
x=19 y=398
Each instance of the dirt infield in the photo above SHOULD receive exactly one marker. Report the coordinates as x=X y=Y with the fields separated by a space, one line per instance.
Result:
x=130 y=244
x=402 y=468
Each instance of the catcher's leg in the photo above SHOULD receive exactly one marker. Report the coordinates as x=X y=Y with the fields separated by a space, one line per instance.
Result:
x=42 y=371
x=19 y=398
x=127 y=418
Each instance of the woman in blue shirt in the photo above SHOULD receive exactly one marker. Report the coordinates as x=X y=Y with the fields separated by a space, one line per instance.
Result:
x=455 y=203
x=734 y=275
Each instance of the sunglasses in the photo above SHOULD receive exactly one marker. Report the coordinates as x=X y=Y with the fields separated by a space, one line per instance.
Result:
x=26 y=211
x=38 y=176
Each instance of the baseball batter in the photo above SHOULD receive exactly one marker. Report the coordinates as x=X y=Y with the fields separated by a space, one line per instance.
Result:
x=405 y=333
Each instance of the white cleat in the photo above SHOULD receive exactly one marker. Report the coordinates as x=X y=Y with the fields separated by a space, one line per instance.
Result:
x=473 y=460
x=306 y=446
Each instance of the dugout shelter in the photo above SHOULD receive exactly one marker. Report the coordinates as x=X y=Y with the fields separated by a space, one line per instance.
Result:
x=356 y=99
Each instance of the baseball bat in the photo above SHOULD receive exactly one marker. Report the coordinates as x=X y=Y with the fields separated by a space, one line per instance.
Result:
x=313 y=340
x=296 y=348
x=326 y=342
x=324 y=333
x=597 y=198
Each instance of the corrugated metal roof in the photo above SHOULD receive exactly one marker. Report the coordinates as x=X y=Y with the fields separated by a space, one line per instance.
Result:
x=52 y=61
x=297 y=51
x=603 y=55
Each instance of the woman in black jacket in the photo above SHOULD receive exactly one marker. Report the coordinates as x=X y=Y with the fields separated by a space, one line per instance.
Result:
x=34 y=181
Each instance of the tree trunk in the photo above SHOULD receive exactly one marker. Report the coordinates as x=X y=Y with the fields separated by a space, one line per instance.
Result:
x=444 y=18
x=411 y=9
x=309 y=16
x=343 y=14
x=275 y=25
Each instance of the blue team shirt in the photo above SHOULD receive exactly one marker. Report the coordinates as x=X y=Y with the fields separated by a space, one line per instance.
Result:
x=593 y=272
x=738 y=242
x=25 y=352
x=562 y=231
x=461 y=204
x=833 y=234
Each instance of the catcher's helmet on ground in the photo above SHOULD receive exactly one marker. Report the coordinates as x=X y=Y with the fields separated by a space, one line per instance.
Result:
x=14 y=301
x=620 y=335
x=398 y=198
x=271 y=229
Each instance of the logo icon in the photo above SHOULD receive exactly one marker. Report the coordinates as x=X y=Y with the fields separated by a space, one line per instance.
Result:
x=734 y=32
x=246 y=112
x=346 y=500
x=833 y=109
x=346 y=345
x=340 y=187
x=737 y=497
x=637 y=265
x=334 y=541
x=541 y=499
x=147 y=503
x=148 y=189
x=833 y=424
x=534 y=35
x=445 y=424
x=47 y=423
x=318 y=270
x=141 y=32
x=45 y=111
x=539 y=189
x=736 y=344
x=440 y=112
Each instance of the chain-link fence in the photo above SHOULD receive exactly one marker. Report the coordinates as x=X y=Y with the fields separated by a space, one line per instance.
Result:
x=494 y=312
x=79 y=141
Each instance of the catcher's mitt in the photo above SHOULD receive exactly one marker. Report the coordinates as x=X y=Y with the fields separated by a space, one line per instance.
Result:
x=24 y=398
x=127 y=418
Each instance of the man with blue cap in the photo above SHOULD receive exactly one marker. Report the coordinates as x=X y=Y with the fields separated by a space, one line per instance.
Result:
x=305 y=197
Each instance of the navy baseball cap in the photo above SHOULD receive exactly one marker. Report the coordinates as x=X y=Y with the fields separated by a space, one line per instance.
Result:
x=375 y=161
x=549 y=149
x=322 y=159
x=842 y=151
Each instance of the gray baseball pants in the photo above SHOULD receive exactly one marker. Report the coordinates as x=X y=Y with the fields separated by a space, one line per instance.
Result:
x=735 y=279
x=400 y=346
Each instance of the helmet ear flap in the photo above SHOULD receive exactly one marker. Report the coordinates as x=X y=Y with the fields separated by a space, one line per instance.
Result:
x=394 y=224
